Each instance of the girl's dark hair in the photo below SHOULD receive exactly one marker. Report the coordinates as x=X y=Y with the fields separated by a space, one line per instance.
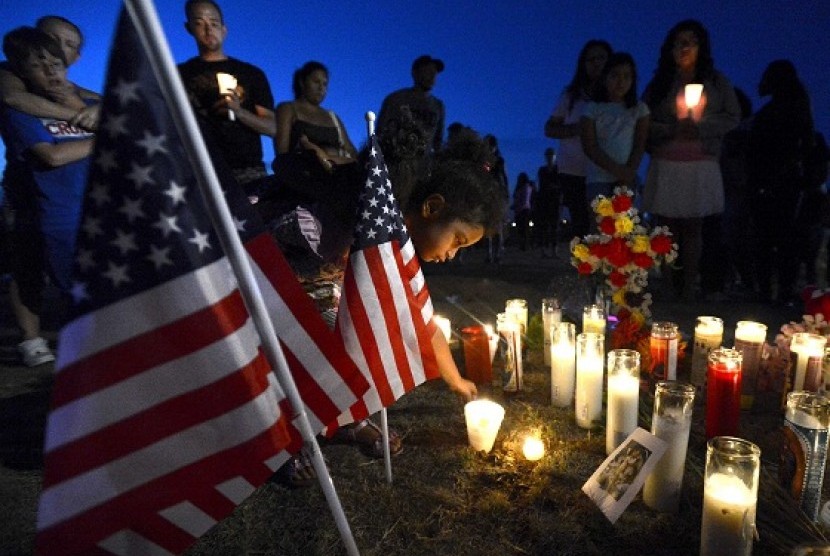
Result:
x=20 y=43
x=615 y=60
x=664 y=75
x=780 y=81
x=301 y=74
x=462 y=173
x=579 y=83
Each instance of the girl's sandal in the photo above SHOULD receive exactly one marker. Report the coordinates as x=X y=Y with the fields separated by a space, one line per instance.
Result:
x=369 y=437
x=297 y=472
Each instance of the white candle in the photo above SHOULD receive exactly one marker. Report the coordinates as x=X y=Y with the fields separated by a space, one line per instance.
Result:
x=623 y=404
x=593 y=319
x=517 y=310
x=708 y=336
x=551 y=314
x=533 y=448
x=728 y=519
x=809 y=351
x=227 y=84
x=692 y=93
x=444 y=324
x=749 y=340
x=589 y=371
x=483 y=419
x=662 y=489
x=563 y=364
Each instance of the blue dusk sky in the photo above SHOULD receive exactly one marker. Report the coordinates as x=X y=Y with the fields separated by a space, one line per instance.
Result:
x=506 y=62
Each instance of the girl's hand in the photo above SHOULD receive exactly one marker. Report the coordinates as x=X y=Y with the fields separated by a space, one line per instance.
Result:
x=683 y=112
x=321 y=155
x=465 y=388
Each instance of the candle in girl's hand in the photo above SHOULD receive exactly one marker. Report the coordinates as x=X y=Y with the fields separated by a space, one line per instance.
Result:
x=692 y=93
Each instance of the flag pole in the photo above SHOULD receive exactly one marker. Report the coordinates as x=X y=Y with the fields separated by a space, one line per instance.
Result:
x=145 y=19
x=384 y=422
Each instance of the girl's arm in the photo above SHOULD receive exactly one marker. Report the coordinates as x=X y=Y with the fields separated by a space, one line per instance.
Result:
x=639 y=146
x=449 y=372
x=64 y=153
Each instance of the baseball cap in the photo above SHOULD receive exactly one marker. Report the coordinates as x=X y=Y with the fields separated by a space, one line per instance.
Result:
x=424 y=60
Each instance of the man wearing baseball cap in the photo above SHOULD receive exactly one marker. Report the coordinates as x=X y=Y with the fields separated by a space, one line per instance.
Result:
x=425 y=109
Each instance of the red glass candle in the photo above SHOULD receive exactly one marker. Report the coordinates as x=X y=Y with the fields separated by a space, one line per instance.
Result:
x=477 y=365
x=723 y=393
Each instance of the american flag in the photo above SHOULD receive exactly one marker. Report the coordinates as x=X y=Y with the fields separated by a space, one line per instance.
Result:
x=165 y=412
x=385 y=314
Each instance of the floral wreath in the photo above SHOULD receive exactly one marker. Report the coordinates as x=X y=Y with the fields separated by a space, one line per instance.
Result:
x=623 y=251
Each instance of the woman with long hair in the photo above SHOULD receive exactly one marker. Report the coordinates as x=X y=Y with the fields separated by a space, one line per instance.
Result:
x=684 y=182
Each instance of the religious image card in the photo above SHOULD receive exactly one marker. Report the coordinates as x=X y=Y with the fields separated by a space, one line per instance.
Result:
x=617 y=481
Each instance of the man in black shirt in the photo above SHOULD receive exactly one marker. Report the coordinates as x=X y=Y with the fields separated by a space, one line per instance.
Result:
x=236 y=117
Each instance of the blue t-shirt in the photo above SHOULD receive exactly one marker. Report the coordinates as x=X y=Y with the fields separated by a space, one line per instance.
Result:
x=615 y=126
x=59 y=191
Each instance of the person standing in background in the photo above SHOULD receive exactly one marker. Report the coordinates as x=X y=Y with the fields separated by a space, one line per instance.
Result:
x=546 y=208
x=238 y=117
x=684 y=182
x=563 y=124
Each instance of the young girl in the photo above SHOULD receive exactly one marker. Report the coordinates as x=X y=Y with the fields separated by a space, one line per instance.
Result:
x=614 y=129
x=457 y=205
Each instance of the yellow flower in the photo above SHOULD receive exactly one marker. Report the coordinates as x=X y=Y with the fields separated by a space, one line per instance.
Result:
x=640 y=244
x=623 y=225
x=604 y=207
x=619 y=297
x=581 y=252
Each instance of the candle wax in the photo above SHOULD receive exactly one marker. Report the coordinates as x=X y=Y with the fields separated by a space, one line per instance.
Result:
x=728 y=516
x=723 y=400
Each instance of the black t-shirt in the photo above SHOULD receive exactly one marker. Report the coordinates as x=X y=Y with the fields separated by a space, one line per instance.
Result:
x=240 y=145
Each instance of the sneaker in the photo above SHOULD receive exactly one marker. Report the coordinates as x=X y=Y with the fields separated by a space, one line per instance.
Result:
x=35 y=352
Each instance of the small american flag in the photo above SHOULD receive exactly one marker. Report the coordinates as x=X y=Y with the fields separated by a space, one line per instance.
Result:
x=165 y=412
x=385 y=314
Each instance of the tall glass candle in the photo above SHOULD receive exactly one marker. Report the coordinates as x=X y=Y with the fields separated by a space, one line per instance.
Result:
x=664 y=340
x=623 y=396
x=590 y=349
x=708 y=336
x=809 y=354
x=517 y=310
x=551 y=314
x=493 y=338
x=563 y=364
x=593 y=319
x=749 y=340
x=723 y=393
x=730 y=497
x=477 y=364
x=804 y=454
x=671 y=422
x=511 y=342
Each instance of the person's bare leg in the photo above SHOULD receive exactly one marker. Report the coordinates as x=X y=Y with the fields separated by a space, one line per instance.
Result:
x=28 y=321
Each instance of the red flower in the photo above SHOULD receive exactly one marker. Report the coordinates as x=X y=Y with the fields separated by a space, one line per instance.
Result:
x=599 y=250
x=606 y=226
x=618 y=252
x=661 y=244
x=585 y=268
x=643 y=260
x=618 y=279
x=621 y=203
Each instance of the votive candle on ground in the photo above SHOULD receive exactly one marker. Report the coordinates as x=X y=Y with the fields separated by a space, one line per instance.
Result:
x=708 y=336
x=593 y=319
x=730 y=497
x=623 y=396
x=590 y=349
x=483 y=419
x=533 y=448
x=723 y=393
x=809 y=354
x=671 y=422
x=749 y=340
x=563 y=364
x=551 y=314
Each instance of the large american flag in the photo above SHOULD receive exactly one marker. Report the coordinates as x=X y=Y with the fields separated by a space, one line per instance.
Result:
x=165 y=412
x=385 y=314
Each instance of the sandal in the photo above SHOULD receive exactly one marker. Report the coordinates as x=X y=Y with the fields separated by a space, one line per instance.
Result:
x=368 y=436
x=297 y=472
